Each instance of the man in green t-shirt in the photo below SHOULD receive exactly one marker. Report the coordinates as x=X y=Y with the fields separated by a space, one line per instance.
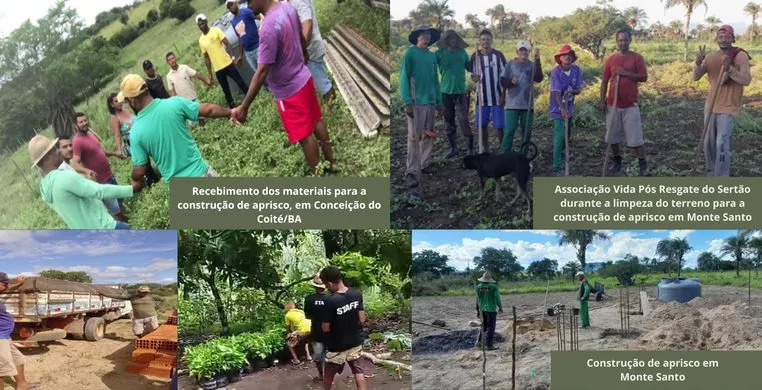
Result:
x=419 y=87
x=145 y=319
x=160 y=131
x=487 y=306
x=452 y=60
x=584 y=297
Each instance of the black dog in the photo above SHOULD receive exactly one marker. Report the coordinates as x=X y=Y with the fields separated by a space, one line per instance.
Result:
x=495 y=166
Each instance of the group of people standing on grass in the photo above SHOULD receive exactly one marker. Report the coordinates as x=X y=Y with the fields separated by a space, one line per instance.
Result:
x=331 y=323
x=286 y=53
x=434 y=82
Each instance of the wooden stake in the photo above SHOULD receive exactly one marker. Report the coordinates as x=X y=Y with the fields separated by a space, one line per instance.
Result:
x=566 y=147
x=478 y=99
x=545 y=307
x=513 y=346
x=484 y=355
x=707 y=120
x=606 y=155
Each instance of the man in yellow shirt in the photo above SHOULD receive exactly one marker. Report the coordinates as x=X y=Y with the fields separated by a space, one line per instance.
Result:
x=215 y=48
x=298 y=328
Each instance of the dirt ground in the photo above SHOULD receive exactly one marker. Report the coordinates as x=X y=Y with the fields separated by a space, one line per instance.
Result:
x=451 y=195
x=719 y=320
x=288 y=377
x=79 y=364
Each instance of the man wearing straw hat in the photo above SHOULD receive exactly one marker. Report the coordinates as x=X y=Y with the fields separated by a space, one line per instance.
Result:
x=314 y=310
x=518 y=96
x=421 y=93
x=565 y=83
x=733 y=62
x=76 y=199
x=583 y=296
x=623 y=121
x=487 y=306
x=145 y=318
x=453 y=61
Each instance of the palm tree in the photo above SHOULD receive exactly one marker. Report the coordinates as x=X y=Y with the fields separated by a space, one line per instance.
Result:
x=714 y=23
x=496 y=13
x=690 y=6
x=666 y=250
x=755 y=244
x=581 y=239
x=438 y=10
x=736 y=246
x=475 y=23
x=635 y=16
x=753 y=10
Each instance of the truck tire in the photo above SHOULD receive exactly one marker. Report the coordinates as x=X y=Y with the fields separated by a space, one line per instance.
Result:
x=95 y=328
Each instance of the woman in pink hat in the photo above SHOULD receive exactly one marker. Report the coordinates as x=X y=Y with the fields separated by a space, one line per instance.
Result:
x=565 y=83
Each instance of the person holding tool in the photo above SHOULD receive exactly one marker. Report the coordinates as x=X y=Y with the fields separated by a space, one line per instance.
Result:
x=623 y=120
x=486 y=66
x=453 y=60
x=565 y=83
x=723 y=102
x=583 y=296
x=421 y=93
x=518 y=79
x=487 y=306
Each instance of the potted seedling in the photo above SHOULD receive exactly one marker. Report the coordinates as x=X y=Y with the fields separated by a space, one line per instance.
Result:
x=201 y=365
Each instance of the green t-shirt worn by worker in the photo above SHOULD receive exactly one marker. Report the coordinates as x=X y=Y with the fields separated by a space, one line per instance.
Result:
x=420 y=65
x=160 y=131
x=488 y=297
x=143 y=307
x=452 y=67
x=79 y=201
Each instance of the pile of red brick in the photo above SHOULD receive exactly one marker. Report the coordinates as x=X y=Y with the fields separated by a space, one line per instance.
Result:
x=155 y=354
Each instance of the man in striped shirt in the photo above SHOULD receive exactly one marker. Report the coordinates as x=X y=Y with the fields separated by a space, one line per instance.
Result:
x=490 y=64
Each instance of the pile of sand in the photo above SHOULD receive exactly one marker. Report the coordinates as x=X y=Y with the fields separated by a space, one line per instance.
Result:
x=696 y=326
x=530 y=327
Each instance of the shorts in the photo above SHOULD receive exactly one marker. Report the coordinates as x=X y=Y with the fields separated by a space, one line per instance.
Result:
x=114 y=206
x=300 y=112
x=320 y=75
x=335 y=361
x=318 y=351
x=623 y=124
x=494 y=113
x=142 y=326
x=10 y=358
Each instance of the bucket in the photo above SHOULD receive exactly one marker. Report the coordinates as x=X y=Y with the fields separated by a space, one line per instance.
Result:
x=550 y=311
x=575 y=311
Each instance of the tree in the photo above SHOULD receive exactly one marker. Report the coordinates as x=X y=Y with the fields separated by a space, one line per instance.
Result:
x=181 y=10
x=499 y=262
x=581 y=239
x=587 y=27
x=496 y=13
x=708 y=261
x=124 y=18
x=690 y=6
x=736 y=246
x=753 y=10
x=430 y=261
x=635 y=17
x=475 y=23
x=152 y=17
x=755 y=245
x=517 y=24
x=437 y=10
x=72 y=276
x=571 y=268
x=544 y=268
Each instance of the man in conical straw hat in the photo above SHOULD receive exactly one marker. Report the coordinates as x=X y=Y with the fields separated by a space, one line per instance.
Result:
x=314 y=310
x=487 y=306
x=584 y=297
x=453 y=63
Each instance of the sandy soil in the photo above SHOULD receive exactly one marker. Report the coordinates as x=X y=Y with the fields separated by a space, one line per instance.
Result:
x=78 y=364
x=719 y=320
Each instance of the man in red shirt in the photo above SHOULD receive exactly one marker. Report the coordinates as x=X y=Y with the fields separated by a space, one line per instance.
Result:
x=623 y=121
x=91 y=160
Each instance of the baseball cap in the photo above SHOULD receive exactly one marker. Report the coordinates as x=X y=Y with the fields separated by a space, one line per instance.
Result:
x=228 y=2
x=523 y=45
x=4 y=278
x=147 y=65
x=132 y=85
x=728 y=29
x=200 y=17
x=144 y=289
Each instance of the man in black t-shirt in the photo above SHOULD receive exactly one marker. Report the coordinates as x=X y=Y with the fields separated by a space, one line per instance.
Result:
x=342 y=326
x=314 y=310
x=154 y=82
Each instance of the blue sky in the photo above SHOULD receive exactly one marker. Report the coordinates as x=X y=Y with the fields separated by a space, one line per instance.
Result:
x=530 y=245
x=729 y=11
x=14 y=13
x=134 y=256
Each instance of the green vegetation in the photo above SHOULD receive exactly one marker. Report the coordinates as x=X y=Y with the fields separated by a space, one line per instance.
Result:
x=256 y=149
x=671 y=106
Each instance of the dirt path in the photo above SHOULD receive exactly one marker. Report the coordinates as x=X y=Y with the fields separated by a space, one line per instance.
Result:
x=458 y=365
x=285 y=377
x=78 y=364
x=672 y=123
